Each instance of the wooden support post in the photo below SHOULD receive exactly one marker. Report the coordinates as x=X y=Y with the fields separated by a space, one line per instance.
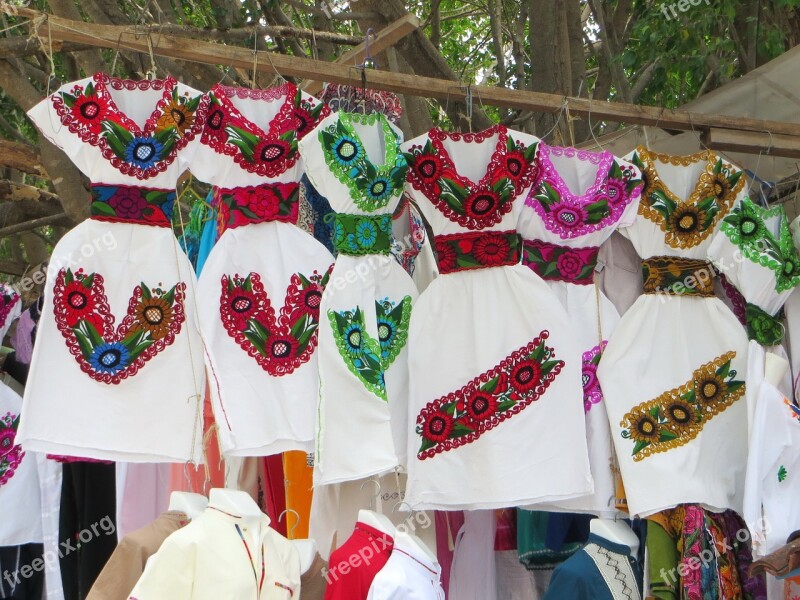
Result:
x=387 y=37
x=752 y=142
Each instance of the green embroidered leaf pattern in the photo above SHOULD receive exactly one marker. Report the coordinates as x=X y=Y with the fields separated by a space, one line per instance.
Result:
x=392 y=327
x=746 y=227
x=782 y=474
x=361 y=353
x=371 y=186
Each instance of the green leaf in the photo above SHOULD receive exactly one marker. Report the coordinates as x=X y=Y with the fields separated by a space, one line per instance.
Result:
x=459 y=430
x=639 y=446
x=145 y=291
x=666 y=435
x=426 y=444
x=491 y=385
x=102 y=208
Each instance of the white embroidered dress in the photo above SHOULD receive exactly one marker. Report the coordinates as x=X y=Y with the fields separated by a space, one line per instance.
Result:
x=578 y=200
x=355 y=162
x=260 y=288
x=673 y=371
x=117 y=370
x=494 y=365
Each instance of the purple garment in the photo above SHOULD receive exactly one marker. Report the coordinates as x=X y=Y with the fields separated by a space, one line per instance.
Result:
x=22 y=340
x=754 y=587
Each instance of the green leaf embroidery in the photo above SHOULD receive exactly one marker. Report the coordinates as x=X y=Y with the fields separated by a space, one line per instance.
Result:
x=361 y=352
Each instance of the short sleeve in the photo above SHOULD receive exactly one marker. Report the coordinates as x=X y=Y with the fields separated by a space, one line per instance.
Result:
x=169 y=574
x=633 y=192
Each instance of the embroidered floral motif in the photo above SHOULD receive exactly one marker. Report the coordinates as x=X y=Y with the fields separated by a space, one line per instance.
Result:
x=782 y=474
x=268 y=153
x=602 y=204
x=90 y=112
x=361 y=352
x=678 y=276
x=393 y=318
x=794 y=409
x=279 y=344
x=560 y=263
x=8 y=298
x=132 y=204
x=478 y=250
x=678 y=416
x=745 y=227
x=472 y=205
x=592 y=394
x=257 y=204
x=357 y=235
x=687 y=223
x=461 y=417
x=348 y=98
x=83 y=317
x=762 y=326
x=11 y=454
x=371 y=186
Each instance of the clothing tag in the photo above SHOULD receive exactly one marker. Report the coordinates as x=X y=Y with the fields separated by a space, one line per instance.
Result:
x=600 y=266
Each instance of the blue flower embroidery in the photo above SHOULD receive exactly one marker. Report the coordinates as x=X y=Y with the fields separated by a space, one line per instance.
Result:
x=352 y=338
x=109 y=357
x=366 y=233
x=143 y=151
x=347 y=150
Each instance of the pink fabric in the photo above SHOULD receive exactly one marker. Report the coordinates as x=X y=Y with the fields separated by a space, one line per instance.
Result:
x=448 y=524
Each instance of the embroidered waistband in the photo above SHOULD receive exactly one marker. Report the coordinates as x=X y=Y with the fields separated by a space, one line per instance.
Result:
x=357 y=235
x=461 y=417
x=762 y=326
x=678 y=416
x=560 y=263
x=257 y=204
x=678 y=276
x=477 y=250
x=132 y=204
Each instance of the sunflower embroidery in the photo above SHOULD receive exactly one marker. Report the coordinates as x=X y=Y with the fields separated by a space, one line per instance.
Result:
x=155 y=315
x=679 y=415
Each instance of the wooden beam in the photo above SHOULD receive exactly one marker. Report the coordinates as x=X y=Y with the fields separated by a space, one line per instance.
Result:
x=11 y=191
x=752 y=142
x=21 y=157
x=387 y=37
x=128 y=38
x=28 y=225
x=12 y=267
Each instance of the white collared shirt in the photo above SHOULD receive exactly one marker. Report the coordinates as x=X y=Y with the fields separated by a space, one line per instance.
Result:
x=409 y=574
x=208 y=560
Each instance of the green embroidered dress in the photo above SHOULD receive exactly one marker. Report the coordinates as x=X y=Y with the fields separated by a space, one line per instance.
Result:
x=354 y=161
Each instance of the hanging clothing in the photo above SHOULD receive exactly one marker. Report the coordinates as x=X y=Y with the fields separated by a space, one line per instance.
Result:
x=259 y=310
x=10 y=309
x=496 y=402
x=577 y=201
x=355 y=162
x=409 y=574
x=674 y=410
x=119 y=326
x=354 y=565
x=15 y=585
x=602 y=570
x=473 y=575
x=348 y=98
x=19 y=479
x=214 y=557
x=128 y=561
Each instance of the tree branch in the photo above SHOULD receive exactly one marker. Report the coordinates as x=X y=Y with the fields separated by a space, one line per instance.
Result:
x=28 y=225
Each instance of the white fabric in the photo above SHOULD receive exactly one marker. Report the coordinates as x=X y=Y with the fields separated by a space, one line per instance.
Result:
x=773 y=472
x=592 y=314
x=50 y=475
x=659 y=343
x=354 y=426
x=792 y=311
x=477 y=319
x=514 y=581
x=143 y=491
x=409 y=574
x=207 y=560
x=19 y=480
x=258 y=413
x=153 y=416
x=472 y=574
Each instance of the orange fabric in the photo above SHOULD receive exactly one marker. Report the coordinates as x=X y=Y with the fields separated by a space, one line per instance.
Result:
x=298 y=477
x=196 y=474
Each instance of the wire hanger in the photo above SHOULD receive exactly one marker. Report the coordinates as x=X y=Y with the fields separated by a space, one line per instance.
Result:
x=296 y=521
x=368 y=63
x=377 y=491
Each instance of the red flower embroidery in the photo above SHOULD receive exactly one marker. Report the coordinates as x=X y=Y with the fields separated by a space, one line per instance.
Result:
x=570 y=264
x=271 y=150
x=128 y=203
x=79 y=303
x=481 y=203
x=526 y=376
x=447 y=257
x=437 y=426
x=90 y=111
x=264 y=203
x=241 y=305
x=491 y=249
x=481 y=406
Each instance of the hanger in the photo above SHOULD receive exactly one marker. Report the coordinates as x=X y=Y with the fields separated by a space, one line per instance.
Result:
x=377 y=491
x=306 y=548
x=368 y=63
x=296 y=522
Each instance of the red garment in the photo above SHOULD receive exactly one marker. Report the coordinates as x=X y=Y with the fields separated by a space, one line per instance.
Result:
x=355 y=563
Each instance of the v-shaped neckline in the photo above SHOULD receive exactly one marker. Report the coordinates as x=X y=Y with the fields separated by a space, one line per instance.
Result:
x=102 y=81
x=652 y=176
x=438 y=136
x=603 y=160
x=287 y=91
x=390 y=146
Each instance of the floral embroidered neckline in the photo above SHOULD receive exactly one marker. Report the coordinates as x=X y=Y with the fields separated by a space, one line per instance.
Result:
x=91 y=112
x=687 y=223
x=470 y=204
x=746 y=227
x=268 y=152
x=602 y=204
x=371 y=186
